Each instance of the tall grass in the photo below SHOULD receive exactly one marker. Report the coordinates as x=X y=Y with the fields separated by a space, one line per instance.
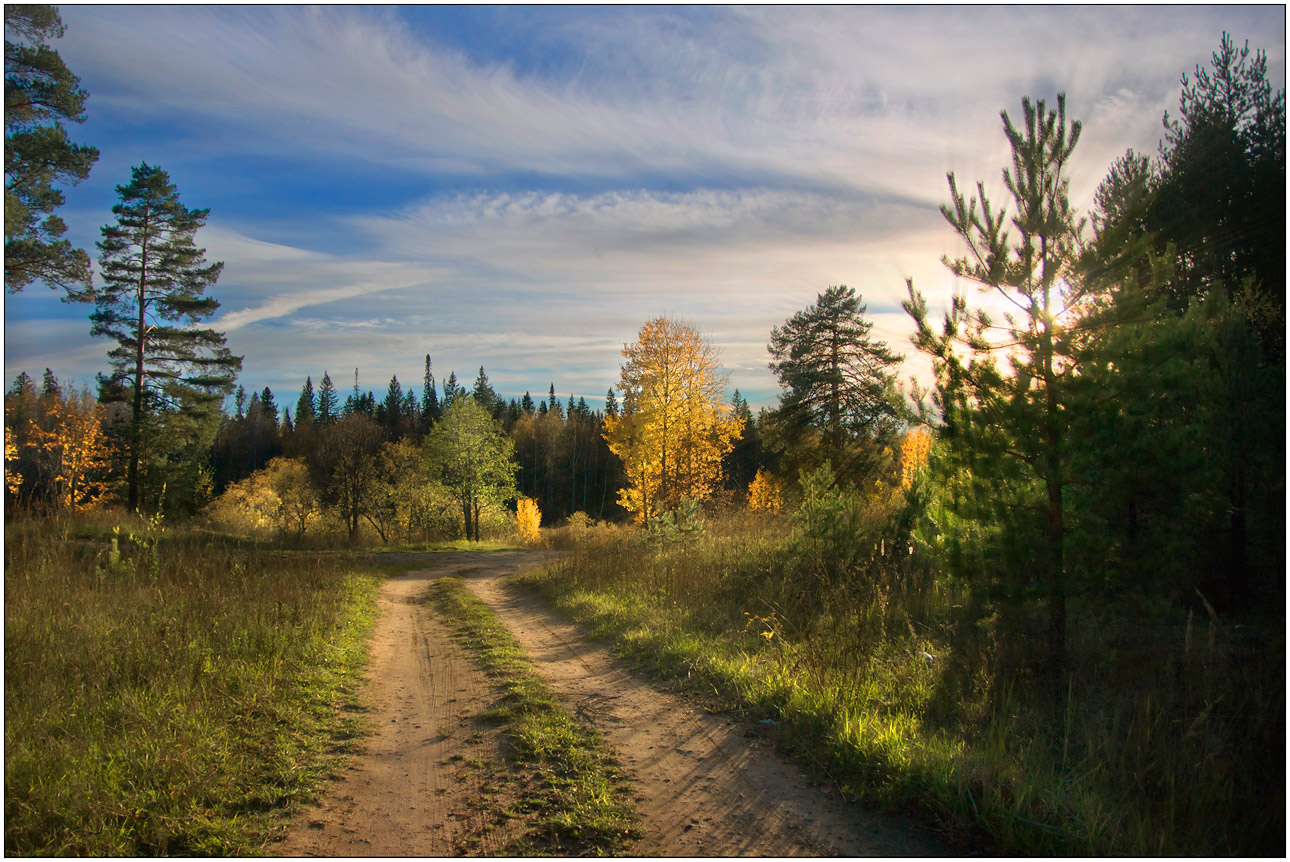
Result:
x=1166 y=737
x=167 y=692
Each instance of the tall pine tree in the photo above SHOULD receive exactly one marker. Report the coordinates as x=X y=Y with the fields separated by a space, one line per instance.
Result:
x=155 y=279
x=40 y=95
x=328 y=406
x=838 y=381
x=429 y=399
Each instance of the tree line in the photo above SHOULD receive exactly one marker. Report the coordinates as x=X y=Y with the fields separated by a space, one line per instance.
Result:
x=1122 y=422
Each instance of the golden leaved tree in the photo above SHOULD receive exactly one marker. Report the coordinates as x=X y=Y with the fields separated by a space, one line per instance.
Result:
x=914 y=450
x=764 y=493
x=71 y=452
x=528 y=520
x=675 y=426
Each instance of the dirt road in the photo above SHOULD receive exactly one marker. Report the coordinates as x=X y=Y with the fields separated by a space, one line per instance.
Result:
x=410 y=792
x=704 y=785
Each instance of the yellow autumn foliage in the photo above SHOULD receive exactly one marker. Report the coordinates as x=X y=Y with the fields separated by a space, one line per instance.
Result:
x=914 y=451
x=764 y=492
x=71 y=450
x=528 y=520
x=674 y=427
x=12 y=478
x=280 y=498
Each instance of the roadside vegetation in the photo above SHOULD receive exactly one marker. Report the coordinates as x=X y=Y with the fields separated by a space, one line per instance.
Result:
x=571 y=785
x=168 y=692
x=906 y=689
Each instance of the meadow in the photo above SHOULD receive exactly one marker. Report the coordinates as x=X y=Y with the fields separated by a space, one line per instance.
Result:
x=172 y=691
x=169 y=691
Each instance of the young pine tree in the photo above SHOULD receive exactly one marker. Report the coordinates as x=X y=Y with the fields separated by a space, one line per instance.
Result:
x=1010 y=428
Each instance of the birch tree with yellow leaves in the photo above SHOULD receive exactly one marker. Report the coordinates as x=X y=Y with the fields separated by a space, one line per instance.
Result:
x=67 y=454
x=675 y=426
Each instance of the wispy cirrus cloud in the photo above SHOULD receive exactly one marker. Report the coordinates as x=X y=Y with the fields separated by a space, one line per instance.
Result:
x=521 y=187
x=819 y=96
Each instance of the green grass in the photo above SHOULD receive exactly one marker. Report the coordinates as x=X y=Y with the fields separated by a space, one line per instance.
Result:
x=177 y=696
x=575 y=791
x=448 y=546
x=1167 y=737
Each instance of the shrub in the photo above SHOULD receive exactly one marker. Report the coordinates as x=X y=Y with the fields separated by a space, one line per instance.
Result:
x=278 y=500
x=764 y=493
x=528 y=520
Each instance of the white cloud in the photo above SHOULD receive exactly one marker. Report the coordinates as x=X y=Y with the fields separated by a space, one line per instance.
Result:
x=861 y=97
x=723 y=164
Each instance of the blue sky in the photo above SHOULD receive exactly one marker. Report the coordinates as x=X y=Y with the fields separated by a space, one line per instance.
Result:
x=523 y=187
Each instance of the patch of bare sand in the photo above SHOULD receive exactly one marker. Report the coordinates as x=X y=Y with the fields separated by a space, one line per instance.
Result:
x=705 y=785
x=416 y=788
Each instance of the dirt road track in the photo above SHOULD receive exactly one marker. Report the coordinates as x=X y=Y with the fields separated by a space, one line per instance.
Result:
x=407 y=794
x=704 y=785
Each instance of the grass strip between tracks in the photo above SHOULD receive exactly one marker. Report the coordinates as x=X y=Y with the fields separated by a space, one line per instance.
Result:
x=578 y=793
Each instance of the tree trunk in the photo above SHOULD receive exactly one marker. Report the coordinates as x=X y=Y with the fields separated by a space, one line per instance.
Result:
x=1053 y=481
x=136 y=426
x=380 y=531
x=1057 y=579
x=1238 y=576
x=835 y=404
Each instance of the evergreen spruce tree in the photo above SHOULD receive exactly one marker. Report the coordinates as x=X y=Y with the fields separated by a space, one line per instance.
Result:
x=526 y=403
x=306 y=405
x=392 y=408
x=50 y=387
x=429 y=399
x=22 y=386
x=40 y=95
x=611 y=404
x=484 y=394
x=1211 y=209
x=1221 y=195
x=451 y=391
x=270 y=408
x=155 y=280
x=409 y=412
x=327 y=401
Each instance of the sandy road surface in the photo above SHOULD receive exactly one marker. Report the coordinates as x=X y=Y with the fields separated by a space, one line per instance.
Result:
x=407 y=793
x=704 y=785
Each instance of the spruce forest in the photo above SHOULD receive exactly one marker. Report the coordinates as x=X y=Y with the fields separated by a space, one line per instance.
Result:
x=1035 y=603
